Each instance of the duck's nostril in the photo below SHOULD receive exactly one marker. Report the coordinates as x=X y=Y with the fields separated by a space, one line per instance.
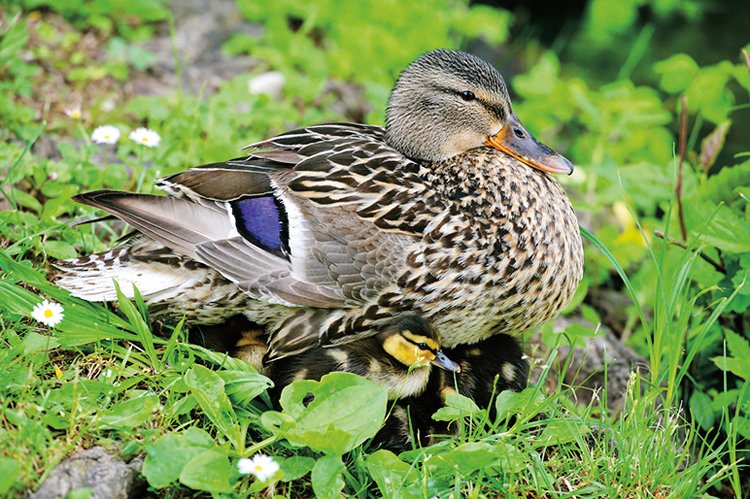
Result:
x=519 y=133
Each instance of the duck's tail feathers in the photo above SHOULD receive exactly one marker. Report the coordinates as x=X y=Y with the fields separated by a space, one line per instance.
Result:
x=156 y=271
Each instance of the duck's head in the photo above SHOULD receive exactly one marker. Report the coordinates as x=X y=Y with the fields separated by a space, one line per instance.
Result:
x=412 y=341
x=448 y=102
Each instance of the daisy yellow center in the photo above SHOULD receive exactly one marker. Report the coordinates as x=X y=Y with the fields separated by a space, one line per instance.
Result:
x=48 y=313
x=144 y=139
x=106 y=136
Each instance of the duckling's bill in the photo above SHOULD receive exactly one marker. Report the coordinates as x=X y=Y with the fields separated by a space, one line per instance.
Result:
x=442 y=361
x=515 y=140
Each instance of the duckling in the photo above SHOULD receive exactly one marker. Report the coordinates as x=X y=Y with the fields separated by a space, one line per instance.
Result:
x=323 y=234
x=487 y=368
x=399 y=357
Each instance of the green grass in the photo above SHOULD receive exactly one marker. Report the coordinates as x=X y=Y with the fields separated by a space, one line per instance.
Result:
x=103 y=377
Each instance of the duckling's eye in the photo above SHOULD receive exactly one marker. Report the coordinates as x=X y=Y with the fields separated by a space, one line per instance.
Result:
x=467 y=95
x=423 y=346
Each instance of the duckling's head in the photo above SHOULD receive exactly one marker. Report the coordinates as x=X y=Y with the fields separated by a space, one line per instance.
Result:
x=411 y=340
x=448 y=102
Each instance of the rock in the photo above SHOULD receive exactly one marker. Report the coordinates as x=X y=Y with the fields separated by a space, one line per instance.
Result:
x=97 y=469
x=269 y=83
x=603 y=357
x=200 y=31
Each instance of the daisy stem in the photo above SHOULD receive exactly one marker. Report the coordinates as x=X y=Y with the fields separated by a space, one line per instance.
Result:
x=260 y=445
x=86 y=140
x=141 y=170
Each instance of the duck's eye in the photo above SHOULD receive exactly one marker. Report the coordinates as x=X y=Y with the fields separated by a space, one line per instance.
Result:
x=423 y=346
x=467 y=95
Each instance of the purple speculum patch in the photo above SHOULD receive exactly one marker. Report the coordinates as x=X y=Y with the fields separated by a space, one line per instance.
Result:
x=262 y=221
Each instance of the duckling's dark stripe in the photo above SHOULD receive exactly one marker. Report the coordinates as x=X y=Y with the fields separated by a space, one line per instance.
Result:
x=416 y=344
x=262 y=220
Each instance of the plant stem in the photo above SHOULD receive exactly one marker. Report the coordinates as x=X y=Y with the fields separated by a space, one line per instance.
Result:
x=747 y=57
x=717 y=265
x=683 y=143
x=260 y=445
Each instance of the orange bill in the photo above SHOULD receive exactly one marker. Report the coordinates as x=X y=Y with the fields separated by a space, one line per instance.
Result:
x=515 y=140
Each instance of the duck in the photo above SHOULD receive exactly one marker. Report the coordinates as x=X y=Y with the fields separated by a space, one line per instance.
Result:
x=399 y=357
x=322 y=234
x=488 y=368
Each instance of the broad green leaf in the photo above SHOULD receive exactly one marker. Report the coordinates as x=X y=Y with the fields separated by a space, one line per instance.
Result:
x=243 y=386
x=27 y=200
x=326 y=477
x=700 y=405
x=676 y=72
x=11 y=470
x=35 y=342
x=708 y=92
x=208 y=389
x=166 y=457
x=333 y=416
x=210 y=471
x=485 y=21
x=726 y=229
x=295 y=467
x=511 y=459
x=608 y=17
x=737 y=345
x=559 y=432
x=541 y=79
x=457 y=407
x=465 y=459
x=130 y=413
x=509 y=402
x=394 y=477
x=60 y=250
x=727 y=183
x=740 y=367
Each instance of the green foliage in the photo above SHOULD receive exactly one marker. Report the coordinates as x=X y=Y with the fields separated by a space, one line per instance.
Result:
x=15 y=79
x=311 y=42
x=128 y=18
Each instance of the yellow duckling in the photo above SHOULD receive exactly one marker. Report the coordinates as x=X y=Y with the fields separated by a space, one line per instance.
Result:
x=487 y=368
x=399 y=357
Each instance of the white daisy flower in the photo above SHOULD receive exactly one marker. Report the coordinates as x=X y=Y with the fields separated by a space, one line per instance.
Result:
x=262 y=466
x=48 y=312
x=106 y=134
x=146 y=137
x=73 y=113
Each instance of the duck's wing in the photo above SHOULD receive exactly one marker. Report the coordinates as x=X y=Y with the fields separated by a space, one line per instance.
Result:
x=350 y=165
x=315 y=217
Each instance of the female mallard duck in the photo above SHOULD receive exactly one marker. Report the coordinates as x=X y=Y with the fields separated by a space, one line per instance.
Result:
x=487 y=368
x=324 y=233
x=399 y=357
